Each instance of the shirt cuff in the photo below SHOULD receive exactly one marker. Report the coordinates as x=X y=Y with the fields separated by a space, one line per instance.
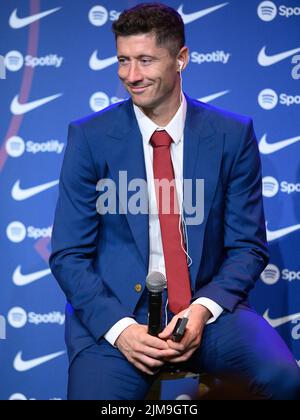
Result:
x=212 y=306
x=114 y=332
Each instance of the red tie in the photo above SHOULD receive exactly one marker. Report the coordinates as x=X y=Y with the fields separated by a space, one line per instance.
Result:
x=177 y=273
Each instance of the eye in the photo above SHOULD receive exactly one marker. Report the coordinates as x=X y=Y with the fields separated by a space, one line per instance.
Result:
x=146 y=61
x=123 y=61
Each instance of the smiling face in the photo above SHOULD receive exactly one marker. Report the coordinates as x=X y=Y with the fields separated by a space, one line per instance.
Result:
x=148 y=72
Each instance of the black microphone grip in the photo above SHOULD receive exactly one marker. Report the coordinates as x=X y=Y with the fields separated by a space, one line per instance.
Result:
x=155 y=313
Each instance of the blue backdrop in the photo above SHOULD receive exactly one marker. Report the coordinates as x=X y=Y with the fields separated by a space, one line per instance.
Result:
x=60 y=65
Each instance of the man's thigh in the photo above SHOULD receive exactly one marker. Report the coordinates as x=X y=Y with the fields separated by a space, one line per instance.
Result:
x=243 y=345
x=101 y=372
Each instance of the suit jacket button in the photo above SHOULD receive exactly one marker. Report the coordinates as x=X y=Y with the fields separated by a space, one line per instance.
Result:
x=138 y=288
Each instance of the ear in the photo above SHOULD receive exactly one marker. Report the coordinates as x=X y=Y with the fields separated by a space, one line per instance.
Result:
x=183 y=58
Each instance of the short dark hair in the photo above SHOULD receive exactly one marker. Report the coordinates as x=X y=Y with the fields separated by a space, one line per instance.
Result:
x=163 y=21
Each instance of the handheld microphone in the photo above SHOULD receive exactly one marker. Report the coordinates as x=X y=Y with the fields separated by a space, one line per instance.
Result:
x=155 y=283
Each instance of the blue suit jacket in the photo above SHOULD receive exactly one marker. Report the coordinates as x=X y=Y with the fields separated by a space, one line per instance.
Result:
x=98 y=260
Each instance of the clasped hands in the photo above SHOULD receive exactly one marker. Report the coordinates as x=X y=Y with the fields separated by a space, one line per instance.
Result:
x=149 y=354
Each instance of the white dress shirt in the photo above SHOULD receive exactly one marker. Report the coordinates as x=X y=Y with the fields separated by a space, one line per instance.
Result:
x=175 y=128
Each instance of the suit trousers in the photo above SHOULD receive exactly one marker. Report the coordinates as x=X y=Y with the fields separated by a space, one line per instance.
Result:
x=239 y=345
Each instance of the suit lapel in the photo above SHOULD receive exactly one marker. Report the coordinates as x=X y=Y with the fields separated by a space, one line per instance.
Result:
x=203 y=147
x=127 y=154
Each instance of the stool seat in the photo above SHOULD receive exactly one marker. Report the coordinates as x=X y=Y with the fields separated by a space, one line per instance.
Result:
x=175 y=372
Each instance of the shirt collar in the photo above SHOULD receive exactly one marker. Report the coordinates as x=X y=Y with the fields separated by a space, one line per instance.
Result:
x=174 y=128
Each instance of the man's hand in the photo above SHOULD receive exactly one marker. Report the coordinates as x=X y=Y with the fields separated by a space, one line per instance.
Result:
x=145 y=352
x=199 y=315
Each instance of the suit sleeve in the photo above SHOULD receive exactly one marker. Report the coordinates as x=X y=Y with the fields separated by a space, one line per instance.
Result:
x=74 y=240
x=245 y=244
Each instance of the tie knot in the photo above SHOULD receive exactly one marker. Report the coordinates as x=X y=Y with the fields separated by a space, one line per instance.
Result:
x=160 y=138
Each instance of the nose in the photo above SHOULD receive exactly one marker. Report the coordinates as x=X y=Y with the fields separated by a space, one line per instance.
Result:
x=133 y=73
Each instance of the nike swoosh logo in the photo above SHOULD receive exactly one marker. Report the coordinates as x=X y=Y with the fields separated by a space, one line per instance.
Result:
x=275 y=323
x=20 y=279
x=268 y=60
x=20 y=109
x=97 y=64
x=21 y=365
x=267 y=148
x=213 y=96
x=276 y=234
x=17 y=23
x=20 y=194
x=191 y=17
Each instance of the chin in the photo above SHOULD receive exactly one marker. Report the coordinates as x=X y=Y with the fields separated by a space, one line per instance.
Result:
x=144 y=103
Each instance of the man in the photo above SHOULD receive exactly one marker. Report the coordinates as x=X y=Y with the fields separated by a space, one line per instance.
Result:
x=101 y=260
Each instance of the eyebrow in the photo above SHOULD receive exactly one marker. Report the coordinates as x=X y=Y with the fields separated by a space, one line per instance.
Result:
x=139 y=56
